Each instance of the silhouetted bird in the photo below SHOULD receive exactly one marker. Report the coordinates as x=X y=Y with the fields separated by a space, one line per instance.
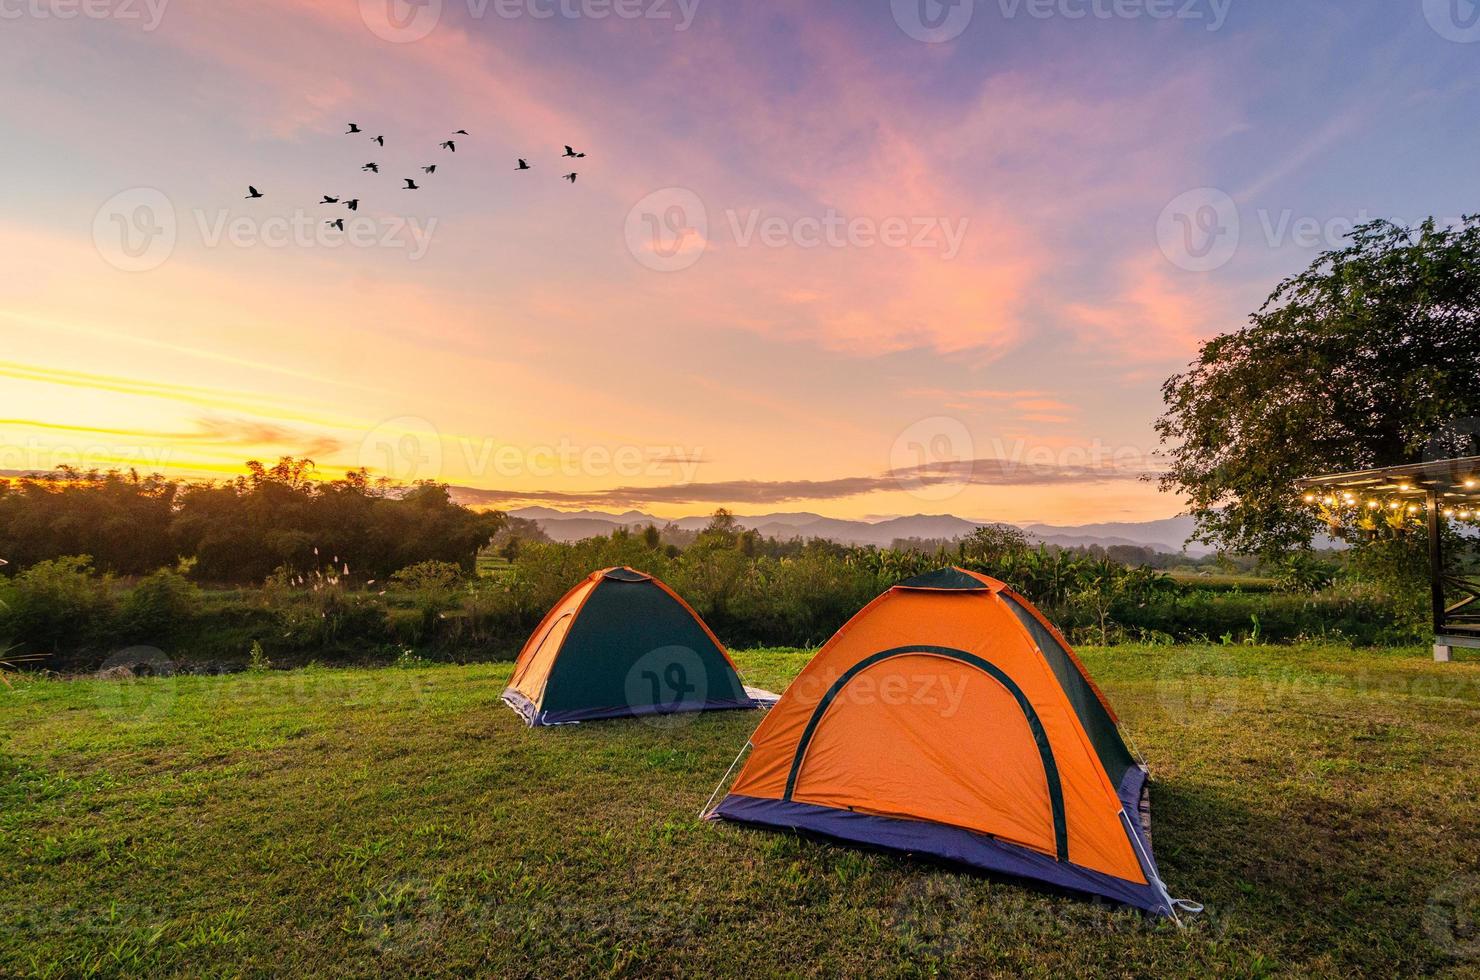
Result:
x=336 y=223
x=429 y=170
x=252 y=193
x=523 y=164
x=410 y=185
x=569 y=177
x=450 y=145
x=460 y=132
x=572 y=153
x=329 y=200
x=374 y=168
x=378 y=139
x=353 y=128
x=353 y=204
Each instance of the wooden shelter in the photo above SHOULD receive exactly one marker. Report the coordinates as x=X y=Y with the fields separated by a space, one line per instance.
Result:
x=1436 y=491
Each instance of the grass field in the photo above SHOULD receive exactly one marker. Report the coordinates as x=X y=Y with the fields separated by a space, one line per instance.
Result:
x=1324 y=803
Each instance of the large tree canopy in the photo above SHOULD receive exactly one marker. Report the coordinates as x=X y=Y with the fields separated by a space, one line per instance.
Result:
x=1371 y=357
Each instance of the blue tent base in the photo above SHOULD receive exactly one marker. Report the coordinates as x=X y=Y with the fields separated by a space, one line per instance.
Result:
x=957 y=846
x=536 y=718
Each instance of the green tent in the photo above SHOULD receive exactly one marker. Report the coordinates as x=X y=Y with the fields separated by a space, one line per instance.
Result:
x=622 y=643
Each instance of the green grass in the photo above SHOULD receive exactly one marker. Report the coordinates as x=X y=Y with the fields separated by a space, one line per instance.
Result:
x=1323 y=802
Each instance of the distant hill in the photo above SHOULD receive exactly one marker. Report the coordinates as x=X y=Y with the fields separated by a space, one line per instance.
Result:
x=1168 y=535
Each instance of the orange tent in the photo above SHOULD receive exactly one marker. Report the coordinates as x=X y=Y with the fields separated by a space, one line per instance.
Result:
x=948 y=718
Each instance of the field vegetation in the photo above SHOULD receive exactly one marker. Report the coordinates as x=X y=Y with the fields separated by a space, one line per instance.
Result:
x=1322 y=802
x=119 y=571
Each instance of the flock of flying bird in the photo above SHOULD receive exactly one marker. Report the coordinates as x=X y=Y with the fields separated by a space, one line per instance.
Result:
x=450 y=145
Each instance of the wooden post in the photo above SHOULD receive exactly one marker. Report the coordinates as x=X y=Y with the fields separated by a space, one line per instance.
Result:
x=1436 y=562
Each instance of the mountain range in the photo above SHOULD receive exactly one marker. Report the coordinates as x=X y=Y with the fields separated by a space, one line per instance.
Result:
x=1169 y=535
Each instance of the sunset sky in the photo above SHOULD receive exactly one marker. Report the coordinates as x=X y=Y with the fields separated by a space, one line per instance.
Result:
x=820 y=256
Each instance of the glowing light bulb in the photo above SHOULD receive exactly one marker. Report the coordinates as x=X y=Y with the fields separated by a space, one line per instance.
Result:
x=1394 y=505
x=1310 y=498
x=1413 y=508
x=1373 y=505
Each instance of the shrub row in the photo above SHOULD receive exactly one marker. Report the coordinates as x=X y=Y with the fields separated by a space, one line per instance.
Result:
x=65 y=609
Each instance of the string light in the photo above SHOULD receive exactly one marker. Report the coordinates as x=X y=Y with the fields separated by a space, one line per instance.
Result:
x=1310 y=498
x=1373 y=505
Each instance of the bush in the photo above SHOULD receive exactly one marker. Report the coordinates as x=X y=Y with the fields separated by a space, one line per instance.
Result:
x=159 y=608
x=433 y=586
x=56 y=605
x=1358 y=614
x=334 y=620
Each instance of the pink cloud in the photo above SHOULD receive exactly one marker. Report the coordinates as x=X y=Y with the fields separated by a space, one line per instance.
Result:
x=1158 y=315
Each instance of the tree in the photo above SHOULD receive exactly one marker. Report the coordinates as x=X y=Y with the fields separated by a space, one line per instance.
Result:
x=991 y=543
x=239 y=530
x=1366 y=359
x=723 y=522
